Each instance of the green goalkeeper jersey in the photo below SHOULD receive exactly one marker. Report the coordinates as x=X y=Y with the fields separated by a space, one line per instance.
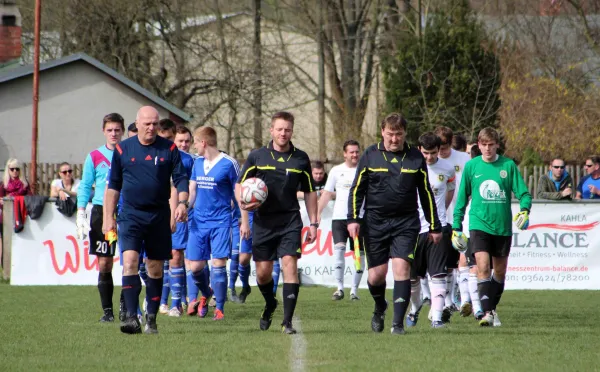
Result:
x=490 y=185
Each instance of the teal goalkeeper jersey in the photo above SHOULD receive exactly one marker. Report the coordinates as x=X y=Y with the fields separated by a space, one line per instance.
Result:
x=490 y=185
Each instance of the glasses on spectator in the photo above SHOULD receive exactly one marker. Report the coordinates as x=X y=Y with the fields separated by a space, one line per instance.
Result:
x=589 y=165
x=69 y=171
x=558 y=166
x=15 y=169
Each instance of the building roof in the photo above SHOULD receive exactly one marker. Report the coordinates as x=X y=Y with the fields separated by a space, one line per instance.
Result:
x=23 y=71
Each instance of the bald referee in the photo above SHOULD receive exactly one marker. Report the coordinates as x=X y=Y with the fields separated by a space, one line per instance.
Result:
x=142 y=168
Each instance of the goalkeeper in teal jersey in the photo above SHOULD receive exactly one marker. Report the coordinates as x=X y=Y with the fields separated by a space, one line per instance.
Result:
x=489 y=180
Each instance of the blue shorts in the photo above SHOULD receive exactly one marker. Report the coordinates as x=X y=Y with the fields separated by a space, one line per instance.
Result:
x=179 y=238
x=148 y=231
x=235 y=239
x=206 y=242
x=142 y=256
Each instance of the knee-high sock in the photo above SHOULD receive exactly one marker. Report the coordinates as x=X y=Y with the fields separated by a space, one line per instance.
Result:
x=132 y=287
x=206 y=272
x=143 y=273
x=449 y=282
x=290 y=298
x=153 y=291
x=267 y=291
x=219 y=285
x=401 y=300
x=275 y=274
x=166 y=287
x=498 y=289
x=474 y=293
x=192 y=289
x=106 y=288
x=176 y=279
x=358 y=275
x=438 y=291
x=340 y=264
x=415 y=296
x=201 y=282
x=486 y=294
x=378 y=294
x=425 y=287
x=244 y=272
x=233 y=268
x=463 y=282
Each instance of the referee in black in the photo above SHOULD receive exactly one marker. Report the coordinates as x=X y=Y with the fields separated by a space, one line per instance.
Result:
x=277 y=224
x=142 y=168
x=390 y=176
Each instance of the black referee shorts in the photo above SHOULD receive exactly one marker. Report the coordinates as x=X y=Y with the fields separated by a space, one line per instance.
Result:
x=276 y=236
x=391 y=237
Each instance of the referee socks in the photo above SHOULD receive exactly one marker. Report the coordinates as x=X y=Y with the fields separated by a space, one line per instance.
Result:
x=153 y=292
x=132 y=287
x=290 y=298
x=267 y=292
x=378 y=293
x=401 y=300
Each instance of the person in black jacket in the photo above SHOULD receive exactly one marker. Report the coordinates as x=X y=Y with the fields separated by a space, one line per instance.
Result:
x=391 y=175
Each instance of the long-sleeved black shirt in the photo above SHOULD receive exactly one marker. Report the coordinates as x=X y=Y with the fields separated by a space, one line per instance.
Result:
x=389 y=184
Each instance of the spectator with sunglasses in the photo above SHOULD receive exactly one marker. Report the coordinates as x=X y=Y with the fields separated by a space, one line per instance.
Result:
x=557 y=184
x=586 y=189
x=65 y=186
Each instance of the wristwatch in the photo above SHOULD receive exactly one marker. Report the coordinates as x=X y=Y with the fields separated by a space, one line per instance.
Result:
x=184 y=202
x=316 y=224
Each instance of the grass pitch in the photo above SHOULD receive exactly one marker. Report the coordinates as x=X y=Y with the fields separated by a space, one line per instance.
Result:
x=57 y=329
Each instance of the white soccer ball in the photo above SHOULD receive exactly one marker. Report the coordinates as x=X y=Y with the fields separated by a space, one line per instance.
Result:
x=254 y=190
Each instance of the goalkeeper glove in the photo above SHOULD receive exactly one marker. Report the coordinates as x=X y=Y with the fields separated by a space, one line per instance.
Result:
x=522 y=219
x=83 y=226
x=459 y=241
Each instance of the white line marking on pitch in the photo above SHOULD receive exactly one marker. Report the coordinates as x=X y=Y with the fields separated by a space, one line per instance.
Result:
x=297 y=353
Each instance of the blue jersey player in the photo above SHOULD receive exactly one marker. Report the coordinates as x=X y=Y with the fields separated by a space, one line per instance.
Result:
x=213 y=183
x=95 y=169
x=142 y=169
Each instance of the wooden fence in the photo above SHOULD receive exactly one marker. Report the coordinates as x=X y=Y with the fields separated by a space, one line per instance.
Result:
x=46 y=172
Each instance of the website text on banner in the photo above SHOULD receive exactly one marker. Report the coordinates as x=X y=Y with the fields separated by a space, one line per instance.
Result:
x=561 y=250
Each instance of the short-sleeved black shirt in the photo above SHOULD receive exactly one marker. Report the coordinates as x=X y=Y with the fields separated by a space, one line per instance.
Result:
x=284 y=173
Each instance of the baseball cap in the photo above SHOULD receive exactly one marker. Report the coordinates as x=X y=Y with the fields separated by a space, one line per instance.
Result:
x=132 y=128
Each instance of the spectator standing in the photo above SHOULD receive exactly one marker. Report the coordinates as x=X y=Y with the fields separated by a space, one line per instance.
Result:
x=592 y=164
x=64 y=186
x=557 y=183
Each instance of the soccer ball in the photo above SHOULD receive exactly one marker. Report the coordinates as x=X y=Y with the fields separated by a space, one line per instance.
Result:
x=254 y=190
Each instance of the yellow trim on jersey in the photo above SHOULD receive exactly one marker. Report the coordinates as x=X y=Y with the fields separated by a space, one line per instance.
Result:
x=378 y=169
x=247 y=170
x=293 y=170
x=429 y=198
x=404 y=170
x=266 y=167
x=354 y=213
x=309 y=183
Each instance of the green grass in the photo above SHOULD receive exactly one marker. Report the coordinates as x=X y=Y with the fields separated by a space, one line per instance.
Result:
x=56 y=328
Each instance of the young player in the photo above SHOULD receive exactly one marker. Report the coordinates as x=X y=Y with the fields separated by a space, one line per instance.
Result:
x=338 y=186
x=213 y=180
x=457 y=279
x=489 y=181
x=95 y=169
x=430 y=257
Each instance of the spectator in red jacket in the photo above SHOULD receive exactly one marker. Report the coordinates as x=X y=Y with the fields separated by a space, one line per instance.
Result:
x=13 y=184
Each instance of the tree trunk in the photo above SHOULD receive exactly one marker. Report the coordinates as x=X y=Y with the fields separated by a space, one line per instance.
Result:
x=321 y=89
x=257 y=91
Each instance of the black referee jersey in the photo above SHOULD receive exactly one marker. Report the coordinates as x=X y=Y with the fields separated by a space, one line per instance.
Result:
x=388 y=183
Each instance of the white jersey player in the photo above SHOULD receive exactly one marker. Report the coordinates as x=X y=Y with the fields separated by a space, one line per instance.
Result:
x=338 y=185
x=465 y=281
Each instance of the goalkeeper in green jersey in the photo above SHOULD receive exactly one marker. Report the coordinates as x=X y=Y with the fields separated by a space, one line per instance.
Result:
x=489 y=180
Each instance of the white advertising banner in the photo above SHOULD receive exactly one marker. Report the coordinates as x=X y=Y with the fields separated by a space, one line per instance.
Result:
x=560 y=250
